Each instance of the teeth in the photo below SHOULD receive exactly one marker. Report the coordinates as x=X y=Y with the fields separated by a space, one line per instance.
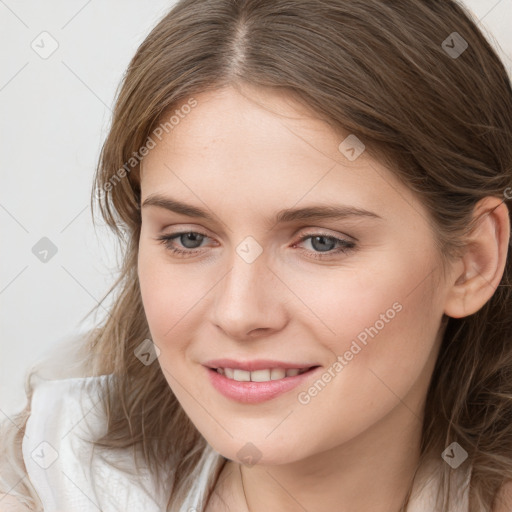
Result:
x=259 y=375
x=242 y=376
x=277 y=373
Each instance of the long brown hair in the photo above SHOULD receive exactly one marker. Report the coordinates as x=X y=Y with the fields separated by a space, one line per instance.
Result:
x=438 y=114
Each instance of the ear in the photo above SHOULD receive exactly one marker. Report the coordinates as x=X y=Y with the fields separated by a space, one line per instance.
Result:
x=480 y=269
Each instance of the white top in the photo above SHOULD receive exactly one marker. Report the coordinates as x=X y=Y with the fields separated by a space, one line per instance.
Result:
x=65 y=473
x=67 y=476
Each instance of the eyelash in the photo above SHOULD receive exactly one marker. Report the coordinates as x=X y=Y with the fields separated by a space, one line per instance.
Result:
x=346 y=246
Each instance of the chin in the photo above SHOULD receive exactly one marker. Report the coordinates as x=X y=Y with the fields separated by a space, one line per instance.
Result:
x=250 y=453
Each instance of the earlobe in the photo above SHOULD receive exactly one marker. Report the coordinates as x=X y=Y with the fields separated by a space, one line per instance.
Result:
x=480 y=269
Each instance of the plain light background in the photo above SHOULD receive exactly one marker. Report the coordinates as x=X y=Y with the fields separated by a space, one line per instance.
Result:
x=54 y=114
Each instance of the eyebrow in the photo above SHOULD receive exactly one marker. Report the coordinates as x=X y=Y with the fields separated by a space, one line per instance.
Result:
x=315 y=212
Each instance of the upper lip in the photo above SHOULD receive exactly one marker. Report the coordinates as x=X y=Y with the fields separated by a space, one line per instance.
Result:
x=256 y=364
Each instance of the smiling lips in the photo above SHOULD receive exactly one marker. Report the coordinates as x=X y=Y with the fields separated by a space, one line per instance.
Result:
x=255 y=381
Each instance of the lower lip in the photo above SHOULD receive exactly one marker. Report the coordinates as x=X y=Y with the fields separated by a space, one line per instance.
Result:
x=255 y=392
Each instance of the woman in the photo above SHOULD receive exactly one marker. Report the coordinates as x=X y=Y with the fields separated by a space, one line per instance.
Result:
x=314 y=308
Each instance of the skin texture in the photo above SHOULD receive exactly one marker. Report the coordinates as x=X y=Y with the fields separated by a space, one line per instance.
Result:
x=243 y=156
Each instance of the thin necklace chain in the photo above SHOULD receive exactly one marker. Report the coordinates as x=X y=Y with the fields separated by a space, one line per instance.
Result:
x=243 y=488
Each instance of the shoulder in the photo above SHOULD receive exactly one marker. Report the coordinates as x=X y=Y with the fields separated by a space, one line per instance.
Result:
x=66 y=467
x=61 y=407
x=65 y=417
x=56 y=406
x=60 y=394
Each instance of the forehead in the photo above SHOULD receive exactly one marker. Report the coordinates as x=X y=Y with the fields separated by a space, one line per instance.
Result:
x=253 y=147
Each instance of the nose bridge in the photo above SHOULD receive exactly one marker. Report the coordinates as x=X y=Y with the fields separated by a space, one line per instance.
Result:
x=244 y=284
x=246 y=298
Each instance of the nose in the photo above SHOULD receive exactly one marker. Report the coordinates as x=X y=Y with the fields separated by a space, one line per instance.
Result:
x=249 y=300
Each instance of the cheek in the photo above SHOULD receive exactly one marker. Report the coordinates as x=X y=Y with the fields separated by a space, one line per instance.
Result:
x=354 y=300
x=375 y=323
x=169 y=293
x=381 y=359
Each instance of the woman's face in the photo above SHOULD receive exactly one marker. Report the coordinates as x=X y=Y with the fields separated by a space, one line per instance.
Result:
x=278 y=279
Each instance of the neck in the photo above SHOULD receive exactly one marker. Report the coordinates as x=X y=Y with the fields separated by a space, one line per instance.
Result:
x=373 y=472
